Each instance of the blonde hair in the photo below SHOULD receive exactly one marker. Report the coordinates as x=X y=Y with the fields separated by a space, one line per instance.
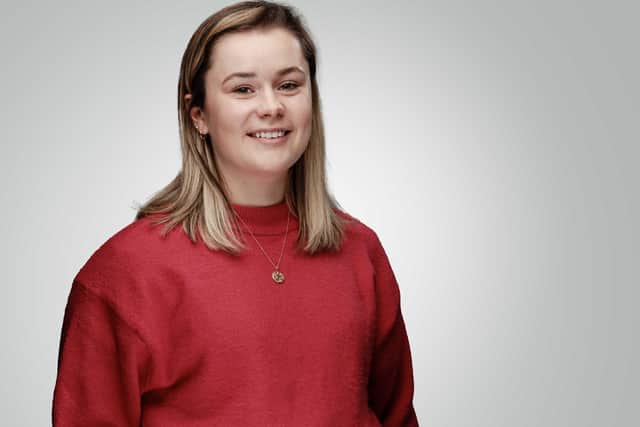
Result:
x=196 y=197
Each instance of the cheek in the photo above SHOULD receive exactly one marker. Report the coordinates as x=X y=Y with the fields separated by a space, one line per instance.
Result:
x=303 y=112
x=228 y=117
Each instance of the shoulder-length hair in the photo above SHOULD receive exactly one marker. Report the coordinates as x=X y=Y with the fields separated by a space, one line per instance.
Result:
x=196 y=197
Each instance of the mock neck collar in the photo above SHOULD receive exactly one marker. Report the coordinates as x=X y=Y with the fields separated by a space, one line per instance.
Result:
x=266 y=220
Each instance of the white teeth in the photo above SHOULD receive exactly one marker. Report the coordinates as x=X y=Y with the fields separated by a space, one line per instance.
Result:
x=275 y=134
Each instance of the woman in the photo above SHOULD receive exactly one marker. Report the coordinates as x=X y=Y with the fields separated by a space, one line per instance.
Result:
x=241 y=295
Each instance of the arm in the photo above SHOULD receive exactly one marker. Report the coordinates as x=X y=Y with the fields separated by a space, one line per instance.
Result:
x=391 y=374
x=101 y=364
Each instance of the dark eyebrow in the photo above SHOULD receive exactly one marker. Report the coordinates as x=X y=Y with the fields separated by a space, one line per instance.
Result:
x=279 y=73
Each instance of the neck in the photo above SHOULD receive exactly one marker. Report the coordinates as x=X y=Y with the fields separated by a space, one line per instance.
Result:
x=256 y=190
x=266 y=220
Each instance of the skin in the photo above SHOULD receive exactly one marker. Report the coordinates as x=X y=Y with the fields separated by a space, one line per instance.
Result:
x=255 y=173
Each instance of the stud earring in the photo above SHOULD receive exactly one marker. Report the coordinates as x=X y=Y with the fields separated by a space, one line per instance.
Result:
x=200 y=134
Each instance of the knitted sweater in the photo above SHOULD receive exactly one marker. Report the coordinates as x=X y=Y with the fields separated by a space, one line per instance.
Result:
x=165 y=332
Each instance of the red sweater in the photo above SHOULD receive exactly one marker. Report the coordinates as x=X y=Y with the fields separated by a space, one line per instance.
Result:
x=165 y=332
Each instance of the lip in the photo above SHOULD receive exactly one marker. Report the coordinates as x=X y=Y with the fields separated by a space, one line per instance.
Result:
x=269 y=130
x=270 y=141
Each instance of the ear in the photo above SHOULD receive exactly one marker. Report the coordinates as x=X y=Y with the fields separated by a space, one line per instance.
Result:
x=197 y=115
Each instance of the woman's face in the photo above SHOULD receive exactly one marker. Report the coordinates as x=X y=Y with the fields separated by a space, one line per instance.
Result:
x=258 y=82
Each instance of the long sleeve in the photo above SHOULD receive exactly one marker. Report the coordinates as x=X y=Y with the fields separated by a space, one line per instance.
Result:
x=391 y=375
x=100 y=365
x=159 y=331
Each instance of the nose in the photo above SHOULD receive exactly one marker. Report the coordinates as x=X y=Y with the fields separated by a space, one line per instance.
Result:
x=270 y=105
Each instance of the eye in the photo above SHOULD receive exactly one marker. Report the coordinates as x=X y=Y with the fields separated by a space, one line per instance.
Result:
x=289 y=86
x=242 y=90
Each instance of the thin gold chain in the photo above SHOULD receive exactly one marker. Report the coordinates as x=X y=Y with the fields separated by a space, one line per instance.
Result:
x=275 y=266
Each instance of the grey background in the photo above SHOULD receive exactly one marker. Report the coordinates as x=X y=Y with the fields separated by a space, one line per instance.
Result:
x=492 y=145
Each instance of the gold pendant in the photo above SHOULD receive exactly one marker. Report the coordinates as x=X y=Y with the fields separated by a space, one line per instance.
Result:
x=277 y=276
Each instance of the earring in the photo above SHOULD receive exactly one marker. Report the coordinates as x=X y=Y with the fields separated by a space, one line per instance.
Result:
x=201 y=135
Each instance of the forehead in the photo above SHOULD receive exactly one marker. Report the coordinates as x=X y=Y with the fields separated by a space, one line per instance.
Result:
x=256 y=51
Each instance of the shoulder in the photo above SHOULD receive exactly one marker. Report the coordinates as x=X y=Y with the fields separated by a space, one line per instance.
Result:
x=128 y=256
x=360 y=239
x=358 y=231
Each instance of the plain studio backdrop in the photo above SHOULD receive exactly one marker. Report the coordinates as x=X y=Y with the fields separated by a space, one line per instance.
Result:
x=493 y=146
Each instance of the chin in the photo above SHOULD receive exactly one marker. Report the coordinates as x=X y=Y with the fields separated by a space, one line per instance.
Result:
x=274 y=166
x=270 y=171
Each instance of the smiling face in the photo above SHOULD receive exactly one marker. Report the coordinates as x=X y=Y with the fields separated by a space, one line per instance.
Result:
x=258 y=81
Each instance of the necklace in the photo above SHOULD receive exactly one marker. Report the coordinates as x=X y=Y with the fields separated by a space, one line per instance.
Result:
x=277 y=275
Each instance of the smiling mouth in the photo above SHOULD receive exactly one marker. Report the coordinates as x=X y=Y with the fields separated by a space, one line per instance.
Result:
x=266 y=135
x=269 y=135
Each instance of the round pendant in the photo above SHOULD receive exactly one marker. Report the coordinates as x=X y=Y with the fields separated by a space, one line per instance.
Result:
x=277 y=276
